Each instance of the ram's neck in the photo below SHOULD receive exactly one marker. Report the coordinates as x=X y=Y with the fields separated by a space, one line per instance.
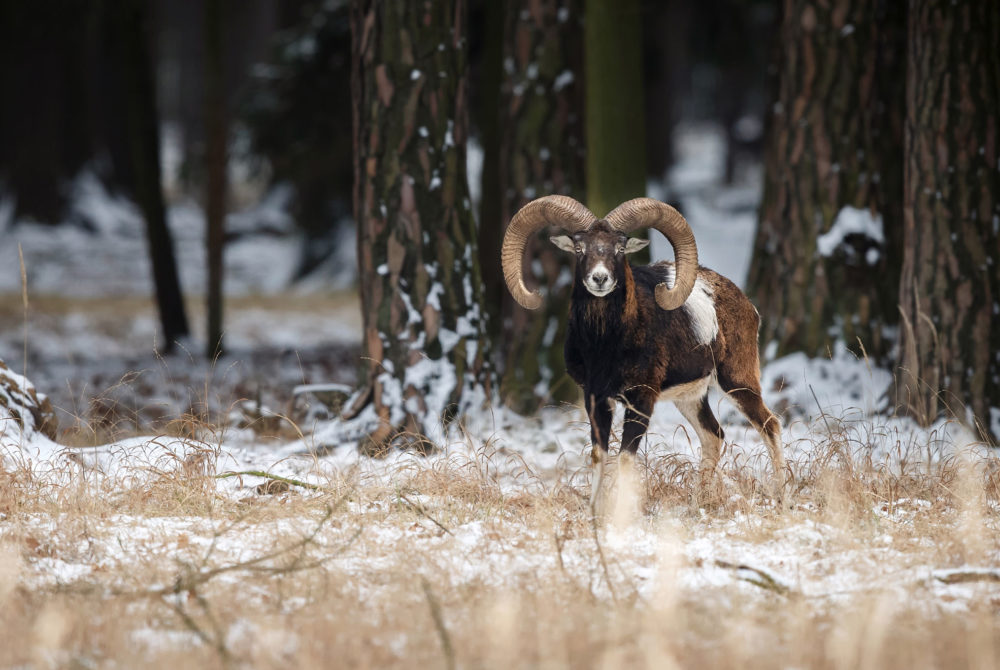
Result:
x=613 y=315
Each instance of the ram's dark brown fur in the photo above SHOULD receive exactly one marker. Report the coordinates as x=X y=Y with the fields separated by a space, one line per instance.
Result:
x=623 y=347
x=637 y=334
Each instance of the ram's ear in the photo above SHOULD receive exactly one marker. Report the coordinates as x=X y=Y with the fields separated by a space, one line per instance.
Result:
x=564 y=242
x=634 y=244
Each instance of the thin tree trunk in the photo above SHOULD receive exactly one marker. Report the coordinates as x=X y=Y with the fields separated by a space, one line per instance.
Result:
x=950 y=292
x=421 y=289
x=616 y=149
x=215 y=170
x=491 y=215
x=142 y=127
x=542 y=154
x=825 y=258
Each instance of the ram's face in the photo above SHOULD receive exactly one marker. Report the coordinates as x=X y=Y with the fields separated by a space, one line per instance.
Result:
x=600 y=256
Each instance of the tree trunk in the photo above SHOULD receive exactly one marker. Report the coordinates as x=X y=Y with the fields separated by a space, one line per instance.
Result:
x=46 y=136
x=142 y=127
x=950 y=292
x=616 y=149
x=491 y=215
x=542 y=153
x=419 y=268
x=215 y=171
x=825 y=257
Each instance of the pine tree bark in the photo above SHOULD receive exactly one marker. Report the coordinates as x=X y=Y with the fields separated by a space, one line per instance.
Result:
x=950 y=290
x=615 y=124
x=142 y=128
x=542 y=154
x=215 y=170
x=833 y=143
x=419 y=272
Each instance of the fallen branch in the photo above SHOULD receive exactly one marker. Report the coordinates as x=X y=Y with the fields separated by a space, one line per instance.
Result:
x=757 y=577
x=276 y=478
x=419 y=509
x=191 y=577
x=965 y=575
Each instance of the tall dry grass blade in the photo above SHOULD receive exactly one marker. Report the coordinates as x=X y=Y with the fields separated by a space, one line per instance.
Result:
x=24 y=302
x=442 y=630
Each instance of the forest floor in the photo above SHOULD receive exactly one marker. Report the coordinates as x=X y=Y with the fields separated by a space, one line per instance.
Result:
x=131 y=542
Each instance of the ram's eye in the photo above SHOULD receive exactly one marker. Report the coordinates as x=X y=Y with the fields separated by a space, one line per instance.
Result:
x=579 y=248
x=619 y=249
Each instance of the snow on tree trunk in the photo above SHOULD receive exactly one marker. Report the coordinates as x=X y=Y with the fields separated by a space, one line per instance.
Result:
x=424 y=338
x=542 y=153
x=826 y=256
x=23 y=411
x=950 y=292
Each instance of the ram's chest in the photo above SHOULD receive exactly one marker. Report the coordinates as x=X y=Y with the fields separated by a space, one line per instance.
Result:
x=613 y=364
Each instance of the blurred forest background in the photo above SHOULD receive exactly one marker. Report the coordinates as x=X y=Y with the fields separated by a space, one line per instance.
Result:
x=241 y=161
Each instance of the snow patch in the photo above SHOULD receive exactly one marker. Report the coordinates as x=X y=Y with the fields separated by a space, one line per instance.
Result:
x=562 y=80
x=850 y=221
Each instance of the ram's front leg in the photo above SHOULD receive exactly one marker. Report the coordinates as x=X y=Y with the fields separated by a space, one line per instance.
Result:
x=627 y=498
x=638 y=410
x=599 y=411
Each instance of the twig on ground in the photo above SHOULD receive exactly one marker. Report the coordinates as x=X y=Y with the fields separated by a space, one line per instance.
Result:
x=217 y=639
x=277 y=478
x=965 y=575
x=186 y=582
x=757 y=577
x=419 y=509
x=192 y=576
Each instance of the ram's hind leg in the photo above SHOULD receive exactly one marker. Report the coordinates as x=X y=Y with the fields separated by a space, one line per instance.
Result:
x=699 y=414
x=599 y=411
x=745 y=392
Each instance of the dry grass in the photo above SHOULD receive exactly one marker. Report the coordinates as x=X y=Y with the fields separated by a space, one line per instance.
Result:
x=446 y=563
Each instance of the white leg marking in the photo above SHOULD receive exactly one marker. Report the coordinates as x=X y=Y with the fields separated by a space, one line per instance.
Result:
x=596 y=477
x=711 y=445
x=626 y=506
x=686 y=391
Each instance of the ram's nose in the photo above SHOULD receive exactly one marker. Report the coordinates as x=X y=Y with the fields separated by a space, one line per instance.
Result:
x=599 y=278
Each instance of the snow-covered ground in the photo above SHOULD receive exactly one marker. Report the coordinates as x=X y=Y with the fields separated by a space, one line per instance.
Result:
x=101 y=250
x=878 y=510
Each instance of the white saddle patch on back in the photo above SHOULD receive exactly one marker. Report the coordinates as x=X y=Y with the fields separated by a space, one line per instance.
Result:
x=700 y=307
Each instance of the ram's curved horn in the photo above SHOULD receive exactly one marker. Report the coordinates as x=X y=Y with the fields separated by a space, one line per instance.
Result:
x=648 y=213
x=552 y=210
